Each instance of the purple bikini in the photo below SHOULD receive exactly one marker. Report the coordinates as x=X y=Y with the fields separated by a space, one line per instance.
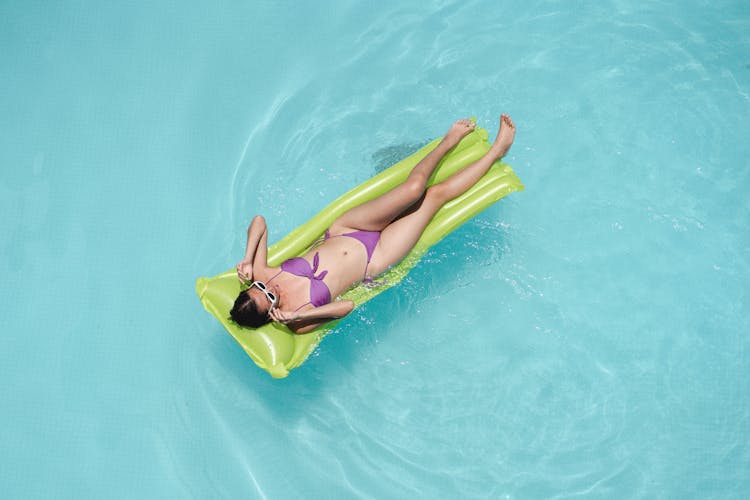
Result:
x=319 y=292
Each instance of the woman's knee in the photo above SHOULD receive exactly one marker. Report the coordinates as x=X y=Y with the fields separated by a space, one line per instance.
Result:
x=437 y=194
x=413 y=187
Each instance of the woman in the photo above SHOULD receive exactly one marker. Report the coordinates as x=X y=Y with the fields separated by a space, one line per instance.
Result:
x=364 y=241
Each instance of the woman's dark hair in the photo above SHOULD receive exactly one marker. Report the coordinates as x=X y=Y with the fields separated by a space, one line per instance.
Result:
x=246 y=313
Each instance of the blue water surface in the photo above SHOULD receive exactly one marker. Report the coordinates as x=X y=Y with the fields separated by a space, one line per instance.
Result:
x=586 y=338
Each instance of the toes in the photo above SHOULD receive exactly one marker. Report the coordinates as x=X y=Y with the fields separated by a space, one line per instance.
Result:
x=506 y=120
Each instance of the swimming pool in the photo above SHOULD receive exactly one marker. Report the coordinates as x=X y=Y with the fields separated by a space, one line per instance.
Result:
x=584 y=338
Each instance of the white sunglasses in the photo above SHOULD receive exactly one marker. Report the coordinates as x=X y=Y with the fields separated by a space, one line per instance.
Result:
x=269 y=295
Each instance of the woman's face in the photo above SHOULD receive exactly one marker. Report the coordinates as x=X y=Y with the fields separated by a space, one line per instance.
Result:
x=262 y=304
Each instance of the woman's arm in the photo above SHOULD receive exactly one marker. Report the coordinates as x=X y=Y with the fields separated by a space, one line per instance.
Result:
x=309 y=319
x=256 y=251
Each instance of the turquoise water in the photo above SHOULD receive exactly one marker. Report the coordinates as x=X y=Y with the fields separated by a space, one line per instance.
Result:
x=587 y=338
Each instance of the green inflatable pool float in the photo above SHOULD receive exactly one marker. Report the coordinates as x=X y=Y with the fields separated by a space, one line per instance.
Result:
x=274 y=347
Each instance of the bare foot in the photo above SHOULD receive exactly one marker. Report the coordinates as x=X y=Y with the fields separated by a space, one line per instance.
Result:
x=458 y=131
x=504 y=137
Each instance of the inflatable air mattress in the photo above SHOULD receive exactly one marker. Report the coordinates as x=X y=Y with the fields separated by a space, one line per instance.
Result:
x=274 y=347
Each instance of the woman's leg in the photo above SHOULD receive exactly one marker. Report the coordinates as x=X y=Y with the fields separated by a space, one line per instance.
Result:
x=376 y=214
x=398 y=238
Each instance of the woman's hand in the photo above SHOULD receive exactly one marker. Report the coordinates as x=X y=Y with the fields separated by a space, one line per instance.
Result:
x=283 y=317
x=245 y=271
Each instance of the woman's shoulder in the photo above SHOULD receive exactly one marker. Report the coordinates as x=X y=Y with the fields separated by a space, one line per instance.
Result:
x=267 y=273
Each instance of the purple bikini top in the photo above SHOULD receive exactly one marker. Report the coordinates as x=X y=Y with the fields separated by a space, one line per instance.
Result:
x=319 y=292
